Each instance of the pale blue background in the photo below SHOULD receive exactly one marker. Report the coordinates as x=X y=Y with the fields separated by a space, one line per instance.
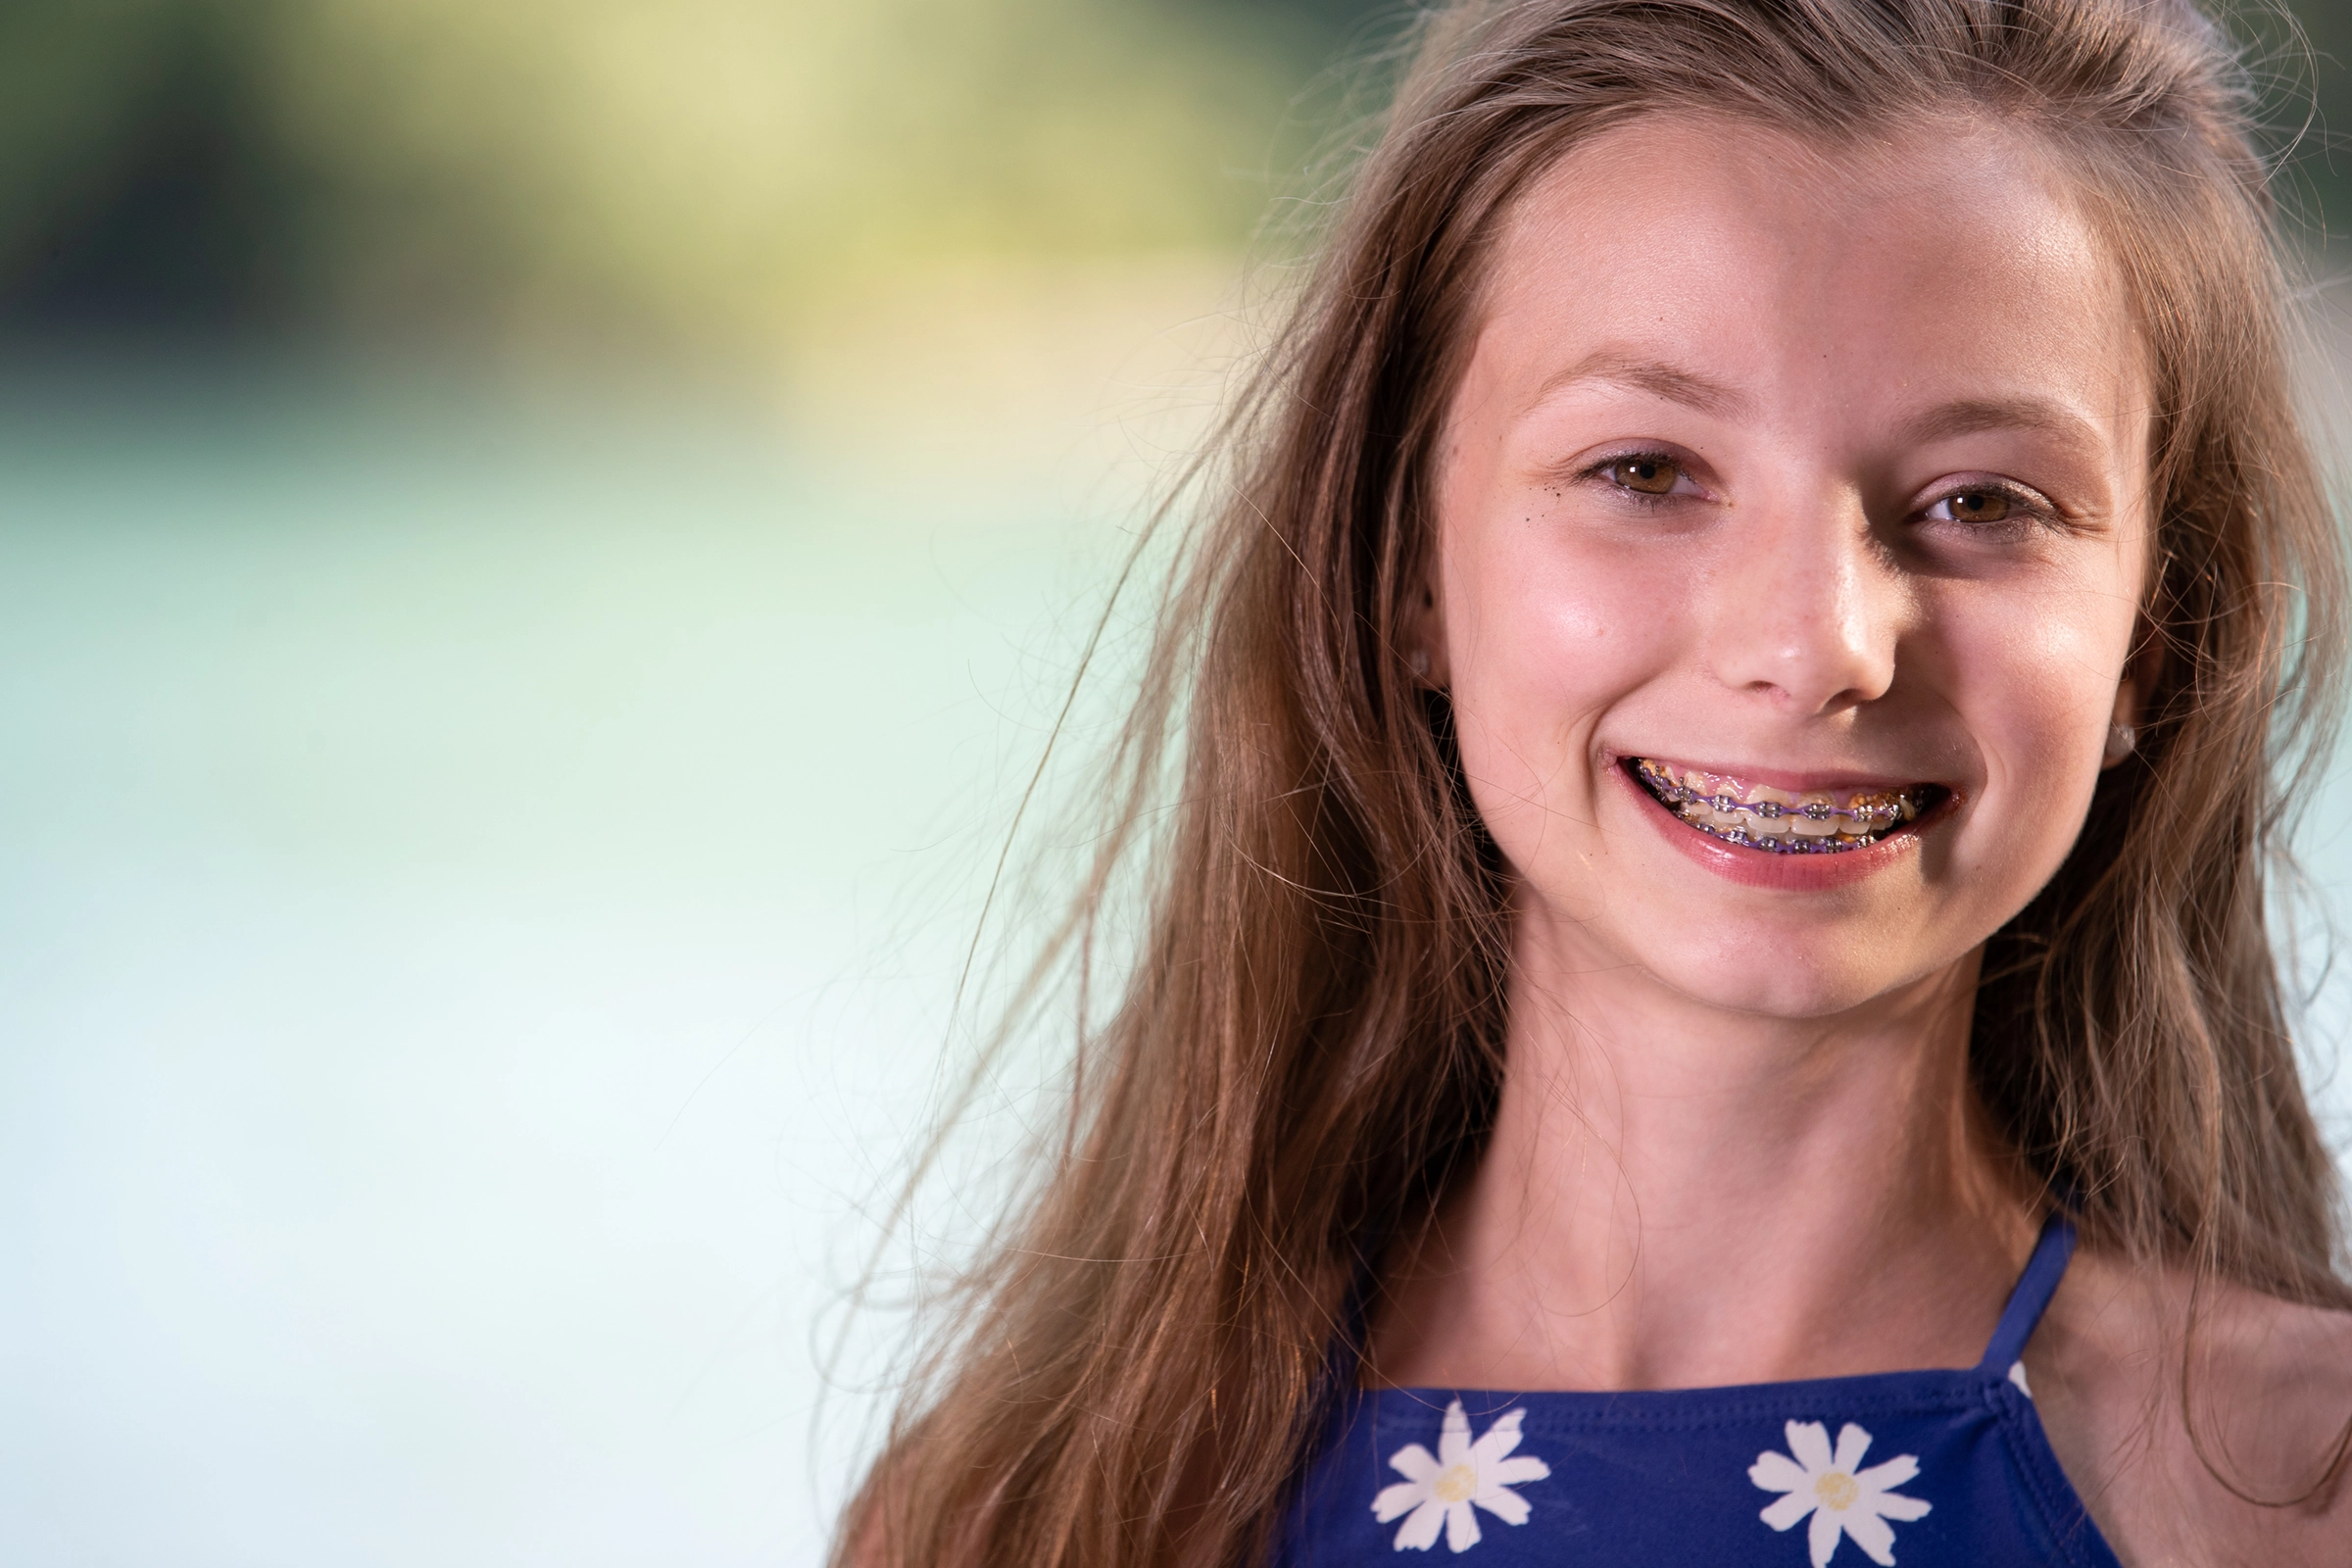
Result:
x=480 y=886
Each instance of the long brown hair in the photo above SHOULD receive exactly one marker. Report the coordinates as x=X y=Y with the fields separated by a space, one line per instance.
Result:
x=1306 y=1043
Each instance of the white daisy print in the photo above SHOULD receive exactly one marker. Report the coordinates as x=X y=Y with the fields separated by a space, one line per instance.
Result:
x=1440 y=1491
x=1842 y=1500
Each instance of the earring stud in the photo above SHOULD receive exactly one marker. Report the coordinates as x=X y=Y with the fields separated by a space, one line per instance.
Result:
x=1419 y=659
x=2122 y=741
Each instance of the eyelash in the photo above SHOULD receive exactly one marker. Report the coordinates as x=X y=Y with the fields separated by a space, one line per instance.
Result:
x=2033 y=508
x=1598 y=472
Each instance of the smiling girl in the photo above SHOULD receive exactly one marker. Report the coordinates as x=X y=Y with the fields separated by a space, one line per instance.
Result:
x=1706 y=998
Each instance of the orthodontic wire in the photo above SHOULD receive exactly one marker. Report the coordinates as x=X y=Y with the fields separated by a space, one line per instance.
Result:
x=1812 y=811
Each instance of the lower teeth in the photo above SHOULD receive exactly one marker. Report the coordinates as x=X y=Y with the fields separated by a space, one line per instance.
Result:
x=1835 y=845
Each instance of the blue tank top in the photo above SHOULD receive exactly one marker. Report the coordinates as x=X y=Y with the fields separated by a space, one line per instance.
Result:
x=1933 y=1468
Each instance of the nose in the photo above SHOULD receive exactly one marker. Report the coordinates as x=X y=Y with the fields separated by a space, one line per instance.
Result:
x=1808 y=618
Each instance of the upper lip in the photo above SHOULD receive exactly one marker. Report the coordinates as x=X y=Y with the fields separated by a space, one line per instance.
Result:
x=1797 y=781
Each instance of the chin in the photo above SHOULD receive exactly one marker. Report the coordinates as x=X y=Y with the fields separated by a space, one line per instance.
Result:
x=1794 y=989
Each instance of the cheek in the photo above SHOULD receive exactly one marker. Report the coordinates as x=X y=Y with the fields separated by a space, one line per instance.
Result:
x=1541 y=640
x=2035 y=679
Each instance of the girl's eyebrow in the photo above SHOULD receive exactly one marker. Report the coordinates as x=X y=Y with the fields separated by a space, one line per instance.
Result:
x=1964 y=417
x=1615 y=368
x=1973 y=415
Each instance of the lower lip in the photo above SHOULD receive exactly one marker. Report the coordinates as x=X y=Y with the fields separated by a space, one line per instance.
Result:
x=1762 y=868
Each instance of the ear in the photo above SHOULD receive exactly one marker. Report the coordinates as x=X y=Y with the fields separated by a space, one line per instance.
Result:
x=1423 y=639
x=2131 y=693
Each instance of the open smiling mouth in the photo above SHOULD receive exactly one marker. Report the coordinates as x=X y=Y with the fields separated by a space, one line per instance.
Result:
x=1777 y=821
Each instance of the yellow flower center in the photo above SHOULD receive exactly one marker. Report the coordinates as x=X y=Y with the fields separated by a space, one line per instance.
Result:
x=1837 y=1490
x=1455 y=1483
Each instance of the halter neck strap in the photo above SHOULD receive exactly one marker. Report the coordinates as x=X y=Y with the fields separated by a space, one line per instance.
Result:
x=2032 y=1295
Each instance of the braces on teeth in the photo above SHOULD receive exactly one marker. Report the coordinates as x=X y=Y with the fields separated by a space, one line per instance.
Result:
x=1814 y=826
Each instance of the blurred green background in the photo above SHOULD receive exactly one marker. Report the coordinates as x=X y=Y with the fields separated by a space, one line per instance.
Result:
x=705 y=174
x=539 y=540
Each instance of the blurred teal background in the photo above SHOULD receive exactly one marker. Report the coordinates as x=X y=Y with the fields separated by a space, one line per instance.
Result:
x=539 y=541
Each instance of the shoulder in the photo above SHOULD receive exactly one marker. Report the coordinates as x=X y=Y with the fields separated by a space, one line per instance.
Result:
x=2197 y=1439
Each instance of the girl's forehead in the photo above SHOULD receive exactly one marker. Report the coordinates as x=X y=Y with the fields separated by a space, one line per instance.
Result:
x=1945 y=250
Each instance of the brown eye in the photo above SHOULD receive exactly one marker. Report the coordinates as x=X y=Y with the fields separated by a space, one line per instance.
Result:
x=1980 y=506
x=1649 y=476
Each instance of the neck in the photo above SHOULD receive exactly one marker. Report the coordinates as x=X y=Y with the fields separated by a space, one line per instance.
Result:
x=1677 y=1196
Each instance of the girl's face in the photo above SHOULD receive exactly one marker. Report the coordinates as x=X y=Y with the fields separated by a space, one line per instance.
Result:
x=1809 y=482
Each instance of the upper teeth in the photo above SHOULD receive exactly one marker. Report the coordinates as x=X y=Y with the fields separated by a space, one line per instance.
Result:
x=1719 y=800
